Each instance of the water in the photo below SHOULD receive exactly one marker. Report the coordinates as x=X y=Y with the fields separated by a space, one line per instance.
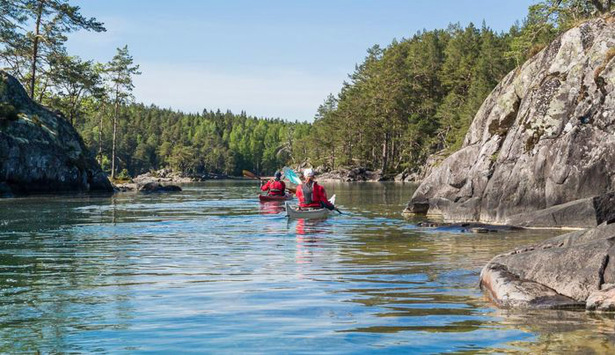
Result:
x=212 y=270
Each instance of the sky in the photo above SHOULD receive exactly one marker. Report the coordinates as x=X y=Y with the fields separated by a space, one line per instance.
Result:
x=270 y=58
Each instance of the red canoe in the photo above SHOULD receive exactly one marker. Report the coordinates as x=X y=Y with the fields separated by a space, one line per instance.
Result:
x=265 y=198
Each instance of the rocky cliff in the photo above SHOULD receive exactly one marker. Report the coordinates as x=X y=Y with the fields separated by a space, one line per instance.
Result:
x=40 y=152
x=544 y=137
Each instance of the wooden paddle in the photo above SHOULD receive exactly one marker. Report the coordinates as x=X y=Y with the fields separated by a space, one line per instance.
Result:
x=250 y=174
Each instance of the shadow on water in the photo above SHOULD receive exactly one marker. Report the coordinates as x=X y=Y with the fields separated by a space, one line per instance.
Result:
x=213 y=269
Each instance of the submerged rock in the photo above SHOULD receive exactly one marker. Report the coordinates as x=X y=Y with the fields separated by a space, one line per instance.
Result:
x=572 y=270
x=40 y=152
x=544 y=137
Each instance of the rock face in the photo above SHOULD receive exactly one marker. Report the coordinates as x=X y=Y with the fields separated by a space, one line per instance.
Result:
x=40 y=152
x=571 y=270
x=544 y=137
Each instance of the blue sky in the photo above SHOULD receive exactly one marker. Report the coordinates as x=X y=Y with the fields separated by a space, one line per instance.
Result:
x=269 y=58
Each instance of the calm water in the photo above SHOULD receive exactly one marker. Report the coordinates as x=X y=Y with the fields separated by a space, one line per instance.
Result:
x=212 y=270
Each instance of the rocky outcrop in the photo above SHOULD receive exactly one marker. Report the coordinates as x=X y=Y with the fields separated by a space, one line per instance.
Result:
x=572 y=270
x=162 y=175
x=350 y=174
x=167 y=175
x=40 y=152
x=544 y=137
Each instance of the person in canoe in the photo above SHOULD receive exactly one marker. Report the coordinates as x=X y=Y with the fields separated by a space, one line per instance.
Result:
x=275 y=187
x=311 y=194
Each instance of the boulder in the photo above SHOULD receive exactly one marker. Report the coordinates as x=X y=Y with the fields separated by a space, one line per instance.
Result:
x=126 y=187
x=544 y=137
x=401 y=177
x=155 y=187
x=572 y=270
x=40 y=152
x=602 y=300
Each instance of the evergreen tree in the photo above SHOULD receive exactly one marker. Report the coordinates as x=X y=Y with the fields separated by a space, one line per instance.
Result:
x=51 y=20
x=73 y=80
x=121 y=69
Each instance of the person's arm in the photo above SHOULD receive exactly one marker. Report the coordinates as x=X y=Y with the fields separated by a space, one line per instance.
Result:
x=265 y=187
x=324 y=201
x=299 y=193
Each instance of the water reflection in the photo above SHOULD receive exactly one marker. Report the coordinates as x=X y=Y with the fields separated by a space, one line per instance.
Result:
x=272 y=207
x=213 y=269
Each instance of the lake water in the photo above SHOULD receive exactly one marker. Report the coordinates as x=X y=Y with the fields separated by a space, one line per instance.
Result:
x=212 y=270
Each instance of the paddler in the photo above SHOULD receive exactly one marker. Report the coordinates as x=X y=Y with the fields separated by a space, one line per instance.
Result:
x=311 y=194
x=275 y=186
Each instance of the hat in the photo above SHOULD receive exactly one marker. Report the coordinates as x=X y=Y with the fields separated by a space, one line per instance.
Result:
x=308 y=173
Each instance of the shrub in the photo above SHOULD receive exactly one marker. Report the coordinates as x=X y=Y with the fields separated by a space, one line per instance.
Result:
x=8 y=112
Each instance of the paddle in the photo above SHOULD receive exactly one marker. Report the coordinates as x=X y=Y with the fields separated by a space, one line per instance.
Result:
x=332 y=201
x=250 y=174
x=291 y=175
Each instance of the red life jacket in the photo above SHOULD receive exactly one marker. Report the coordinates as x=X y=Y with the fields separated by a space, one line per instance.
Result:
x=311 y=196
x=275 y=187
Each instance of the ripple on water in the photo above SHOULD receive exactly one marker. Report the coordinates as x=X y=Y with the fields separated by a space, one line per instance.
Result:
x=212 y=269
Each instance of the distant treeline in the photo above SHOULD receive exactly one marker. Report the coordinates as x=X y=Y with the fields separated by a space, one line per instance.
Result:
x=212 y=141
x=402 y=103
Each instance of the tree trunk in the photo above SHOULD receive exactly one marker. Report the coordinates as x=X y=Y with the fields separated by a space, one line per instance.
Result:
x=39 y=16
x=100 y=136
x=393 y=155
x=385 y=152
x=41 y=95
x=114 y=139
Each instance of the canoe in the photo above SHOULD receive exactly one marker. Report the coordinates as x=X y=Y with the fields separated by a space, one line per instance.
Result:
x=293 y=212
x=266 y=198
